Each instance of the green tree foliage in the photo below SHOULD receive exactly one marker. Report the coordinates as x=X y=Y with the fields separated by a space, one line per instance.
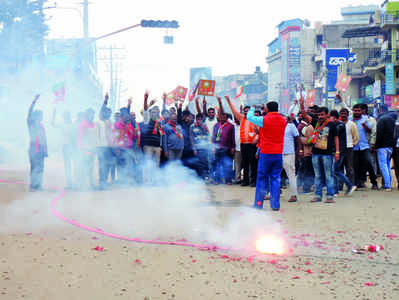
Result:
x=22 y=31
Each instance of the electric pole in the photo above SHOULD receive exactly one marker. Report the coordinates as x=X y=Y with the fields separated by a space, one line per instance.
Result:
x=112 y=60
x=86 y=18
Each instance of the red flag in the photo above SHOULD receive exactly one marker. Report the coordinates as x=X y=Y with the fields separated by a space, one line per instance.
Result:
x=240 y=91
x=59 y=92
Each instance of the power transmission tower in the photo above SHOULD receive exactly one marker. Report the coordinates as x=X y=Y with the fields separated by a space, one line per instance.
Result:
x=112 y=57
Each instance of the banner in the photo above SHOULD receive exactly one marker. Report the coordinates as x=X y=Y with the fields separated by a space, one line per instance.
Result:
x=206 y=87
x=181 y=93
x=392 y=101
x=334 y=58
x=389 y=79
x=343 y=82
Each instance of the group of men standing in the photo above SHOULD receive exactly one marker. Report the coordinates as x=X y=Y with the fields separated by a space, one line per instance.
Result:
x=316 y=148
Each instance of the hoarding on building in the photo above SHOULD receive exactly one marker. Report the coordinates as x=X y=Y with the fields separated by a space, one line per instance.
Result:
x=334 y=58
x=389 y=79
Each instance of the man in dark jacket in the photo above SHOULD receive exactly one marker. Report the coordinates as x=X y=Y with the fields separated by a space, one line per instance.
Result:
x=384 y=144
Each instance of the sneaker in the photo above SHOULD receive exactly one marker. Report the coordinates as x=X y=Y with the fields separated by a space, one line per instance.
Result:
x=385 y=189
x=330 y=200
x=245 y=184
x=275 y=209
x=315 y=199
x=375 y=187
x=293 y=199
x=350 y=191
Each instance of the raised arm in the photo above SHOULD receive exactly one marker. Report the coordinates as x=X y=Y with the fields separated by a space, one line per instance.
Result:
x=235 y=112
x=303 y=111
x=205 y=111
x=197 y=106
x=258 y=121
x=164 y=98
x=146 y=101
x=32 y=106
x=129 y=104
x=221 y=110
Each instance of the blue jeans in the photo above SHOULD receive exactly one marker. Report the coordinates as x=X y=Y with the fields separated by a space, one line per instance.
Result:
x=339 y=175
x=323 y=169
x=269 y=168
x=384 y=160
x=223 y=166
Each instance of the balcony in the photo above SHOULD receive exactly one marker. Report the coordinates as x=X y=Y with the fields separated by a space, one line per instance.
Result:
x=389 y=19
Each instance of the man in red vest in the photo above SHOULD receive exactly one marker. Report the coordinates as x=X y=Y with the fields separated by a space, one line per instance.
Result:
x=272 y=128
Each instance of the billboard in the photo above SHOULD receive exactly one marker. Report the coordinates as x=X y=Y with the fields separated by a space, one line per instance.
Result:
x=196 y=74
x=334 y=58
x=389 y=79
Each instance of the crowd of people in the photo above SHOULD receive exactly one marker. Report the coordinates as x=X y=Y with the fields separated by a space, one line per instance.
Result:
x=310 y=147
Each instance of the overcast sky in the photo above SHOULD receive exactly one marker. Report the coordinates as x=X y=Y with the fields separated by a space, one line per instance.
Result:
x=231 y=36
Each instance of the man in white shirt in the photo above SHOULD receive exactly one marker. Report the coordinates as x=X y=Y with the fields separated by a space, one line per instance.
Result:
x=290 y=135
x=352 y=138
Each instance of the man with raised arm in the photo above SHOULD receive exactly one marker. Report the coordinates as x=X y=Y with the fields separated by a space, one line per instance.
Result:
x=37 y=146
x=271 y=133
x=248 y=138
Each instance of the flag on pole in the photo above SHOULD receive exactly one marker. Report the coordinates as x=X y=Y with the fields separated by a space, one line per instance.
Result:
x=59 y=92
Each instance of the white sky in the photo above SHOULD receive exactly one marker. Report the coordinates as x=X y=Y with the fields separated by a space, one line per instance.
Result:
x=231 y=36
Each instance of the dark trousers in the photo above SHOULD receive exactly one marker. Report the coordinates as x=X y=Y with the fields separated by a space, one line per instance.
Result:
x=306 y=174
x=362 y=164
x=202 y=165
x=223 y=165
x=104 y=164
x=340 y=177
x=36 y=170
x=249 y=162
x=348 y=164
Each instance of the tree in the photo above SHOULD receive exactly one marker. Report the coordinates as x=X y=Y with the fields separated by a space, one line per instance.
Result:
x=22 y=31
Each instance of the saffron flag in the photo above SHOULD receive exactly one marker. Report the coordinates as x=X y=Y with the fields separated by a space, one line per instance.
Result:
x=59 y=92
x=240 y=91
x=206 y=87
x=170 y=98
x=343 y=82
x=181 y=93
x=310 y=97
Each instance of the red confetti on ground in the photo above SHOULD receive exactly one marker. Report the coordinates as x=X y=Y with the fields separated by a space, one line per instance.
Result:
x=309 y=271
x=369 y=284
x=272 y=261
x=94 y=238
x=325 y=282
x=295 y=277
x=235 y=281
x=182 y=240
x=307 y=263
x=371 y=257
x=99 y=249
x=137 y=261
x=224 y=257
x=193 y=261
x=391 y=236
x=340 y=231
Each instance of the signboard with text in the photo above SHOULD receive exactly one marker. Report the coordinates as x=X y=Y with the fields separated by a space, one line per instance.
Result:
x=206 y=87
